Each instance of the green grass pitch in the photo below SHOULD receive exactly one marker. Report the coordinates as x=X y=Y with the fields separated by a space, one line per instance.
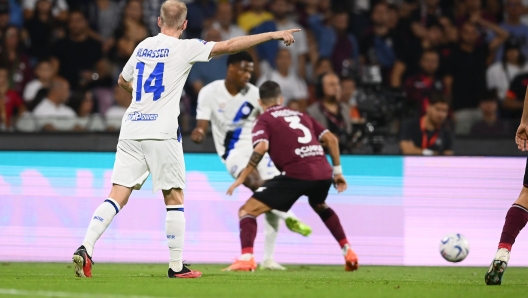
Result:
x=149 y=280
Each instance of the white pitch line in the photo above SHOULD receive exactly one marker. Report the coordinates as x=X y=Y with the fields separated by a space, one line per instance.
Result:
x=66 y=294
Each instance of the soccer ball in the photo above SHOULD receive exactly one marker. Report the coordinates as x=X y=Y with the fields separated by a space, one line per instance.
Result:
x=454 y=247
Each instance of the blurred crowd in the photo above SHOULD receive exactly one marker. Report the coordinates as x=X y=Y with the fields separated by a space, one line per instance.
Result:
x=59 y=60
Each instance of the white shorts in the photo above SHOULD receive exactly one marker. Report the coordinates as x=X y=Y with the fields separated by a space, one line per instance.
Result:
x=136 y=159
x=237 y=161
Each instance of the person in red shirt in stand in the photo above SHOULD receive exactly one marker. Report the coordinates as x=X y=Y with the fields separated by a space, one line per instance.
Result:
x=422 y=85
x=11 y=104
x=293 y=141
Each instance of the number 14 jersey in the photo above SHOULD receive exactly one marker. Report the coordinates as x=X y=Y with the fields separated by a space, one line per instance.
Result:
x=158 y=69
x=294 y=146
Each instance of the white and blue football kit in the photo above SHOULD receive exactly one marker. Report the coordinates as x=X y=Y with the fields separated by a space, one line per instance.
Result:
x=232 y=119
x=150 y=138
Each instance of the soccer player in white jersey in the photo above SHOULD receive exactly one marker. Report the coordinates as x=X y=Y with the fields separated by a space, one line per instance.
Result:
x=231 y=105
x=150 y=140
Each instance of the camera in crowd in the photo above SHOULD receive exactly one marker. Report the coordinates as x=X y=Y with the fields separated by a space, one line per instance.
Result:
x=378 y=105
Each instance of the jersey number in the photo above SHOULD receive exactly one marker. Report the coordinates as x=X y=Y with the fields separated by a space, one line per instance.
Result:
x=295 y=123
x=153 y=84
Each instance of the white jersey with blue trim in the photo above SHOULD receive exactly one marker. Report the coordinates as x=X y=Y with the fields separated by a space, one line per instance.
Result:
x=159 y=68
x=232 y=117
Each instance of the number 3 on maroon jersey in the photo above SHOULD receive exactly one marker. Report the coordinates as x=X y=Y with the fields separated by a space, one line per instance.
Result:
x=295 y=123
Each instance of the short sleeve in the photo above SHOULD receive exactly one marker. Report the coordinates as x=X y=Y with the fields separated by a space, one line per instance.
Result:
x=197 y=50
x=260 y=131
x=130 y=66
x=203 y=109
x=318 y=129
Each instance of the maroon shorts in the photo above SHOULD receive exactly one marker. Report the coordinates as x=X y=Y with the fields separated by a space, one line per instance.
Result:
x=282 y=192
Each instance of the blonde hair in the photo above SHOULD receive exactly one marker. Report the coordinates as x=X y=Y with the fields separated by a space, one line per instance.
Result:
x=173 y=13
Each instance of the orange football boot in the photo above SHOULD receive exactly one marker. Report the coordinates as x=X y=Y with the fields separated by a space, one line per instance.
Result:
x=242 y=265
x=351 y=260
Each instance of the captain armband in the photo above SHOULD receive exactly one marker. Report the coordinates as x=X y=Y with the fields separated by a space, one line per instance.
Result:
x=255 y=159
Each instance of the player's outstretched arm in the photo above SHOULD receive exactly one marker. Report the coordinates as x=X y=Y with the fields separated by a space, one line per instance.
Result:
x=521 y=138
x=127 y=86
x=254 y=160
x=332 y=144
x=242 y=43
x=198 y=134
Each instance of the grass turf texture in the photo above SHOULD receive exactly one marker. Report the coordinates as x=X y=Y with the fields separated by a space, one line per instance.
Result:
x=149 y=280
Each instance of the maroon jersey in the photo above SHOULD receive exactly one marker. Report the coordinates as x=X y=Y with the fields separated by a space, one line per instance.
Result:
x=294 y=146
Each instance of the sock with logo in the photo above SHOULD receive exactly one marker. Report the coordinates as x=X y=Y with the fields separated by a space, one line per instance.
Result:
x=331 y=220
x=175 y=230
x=248 y=233
x=516 y=219
x=101 y=219
x=271 y=229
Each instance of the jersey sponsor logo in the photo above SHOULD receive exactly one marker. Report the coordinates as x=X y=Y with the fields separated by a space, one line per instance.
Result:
x=202 y=41
x=138 y=116
x=260 y=189
x=148 y=53
x=310 y=150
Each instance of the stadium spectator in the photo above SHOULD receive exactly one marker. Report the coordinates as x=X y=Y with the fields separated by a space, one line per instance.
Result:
x=428 y=13
x=59 y=9
x=101 y=16
x=102 y=84
x=256 y=15
x=44 y=73
x=500 y=74
x=409 y=53
x=513 y=103
x=130 y=32
x=11 y=104
x=330 y=112
x=467 y=72
x=12 y=55
x=293 y=87
x=200 y=14
x=349 y=95
x=377 y=45
x=429 y=134
x=224 y=22
x=490 y=125
x=87 y=118
x=334 y=41
x=204 y=73
x=267 y=52
x=151 y=11
x=115 y=114
x=472 y=9
x=40 y=29
x=52 y=110
x=422 y=85
x=513 y=25
x=77 y=54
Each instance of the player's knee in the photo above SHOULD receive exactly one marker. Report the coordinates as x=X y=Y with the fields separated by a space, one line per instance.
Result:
x=242 y=211
x=319 y=207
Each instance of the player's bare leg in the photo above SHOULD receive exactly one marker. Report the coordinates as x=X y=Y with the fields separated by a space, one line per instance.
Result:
x=515 y=221
x=331 y=220
x=271 y=227
x=175 y=231
x=248 y=214
x=101 y=219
